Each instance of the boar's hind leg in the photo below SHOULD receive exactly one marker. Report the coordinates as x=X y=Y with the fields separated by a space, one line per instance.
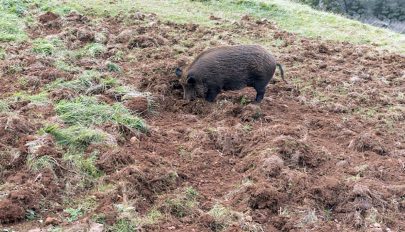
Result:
x=260 y=90
x=211 y=94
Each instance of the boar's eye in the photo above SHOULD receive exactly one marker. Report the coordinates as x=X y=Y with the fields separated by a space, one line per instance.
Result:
x=191 y=80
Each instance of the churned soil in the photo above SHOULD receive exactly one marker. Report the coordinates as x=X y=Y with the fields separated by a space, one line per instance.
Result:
x=323 y=152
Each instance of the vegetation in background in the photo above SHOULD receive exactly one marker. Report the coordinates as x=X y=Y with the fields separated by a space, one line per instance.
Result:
x=385 y=13
x=293 y=17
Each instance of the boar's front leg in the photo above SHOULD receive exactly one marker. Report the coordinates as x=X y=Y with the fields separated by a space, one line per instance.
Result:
x=212 y=93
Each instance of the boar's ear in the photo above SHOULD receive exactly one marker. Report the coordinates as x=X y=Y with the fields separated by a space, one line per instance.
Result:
x=191 y=80
x=179 y=72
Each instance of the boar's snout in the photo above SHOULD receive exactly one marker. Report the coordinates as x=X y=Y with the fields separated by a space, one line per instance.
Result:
x=189 y=93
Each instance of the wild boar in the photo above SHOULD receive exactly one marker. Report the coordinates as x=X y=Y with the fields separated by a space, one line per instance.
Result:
x=228 y=68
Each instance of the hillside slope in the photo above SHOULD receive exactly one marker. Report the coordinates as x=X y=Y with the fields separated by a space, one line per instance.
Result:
x=290 y=16
x=94 y=132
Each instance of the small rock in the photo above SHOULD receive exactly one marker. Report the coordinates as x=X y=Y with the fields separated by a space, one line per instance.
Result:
x=124 y=36
x=51 y=221
x=96 y=227
x=96 y=89
x=360 y=190
x=85 y=35
x=342 y=163
x=190 y=118
x=134 y=140
x=138 y=16
x=272 y=165
x=79 y=227
x=355 y=79
x=376 y=227
x=171 y=228
x=246 y=18
x=101 y=38
x=212 y=17
x=262 y=21
x=35 y=230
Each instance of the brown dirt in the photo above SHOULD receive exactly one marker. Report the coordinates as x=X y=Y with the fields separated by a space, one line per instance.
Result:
x=137 y=104
x=324 y=152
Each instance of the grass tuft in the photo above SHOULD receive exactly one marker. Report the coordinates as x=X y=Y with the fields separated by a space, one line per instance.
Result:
x=4 y=106
x=40 y=98
x=113 y=67
x=36 y=164
x=94 y=50
x=17 y=7
x=222 y=216
x=88 y=111
x=124 y=225
x=85 y=164
x=75 y=136
x=2 y=54
x=43 y=46
x=74 y=214
x=11 y=27
x=183 y=204
x=87 y=79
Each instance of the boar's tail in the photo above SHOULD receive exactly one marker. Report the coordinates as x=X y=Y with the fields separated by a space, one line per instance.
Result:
x=281 y=71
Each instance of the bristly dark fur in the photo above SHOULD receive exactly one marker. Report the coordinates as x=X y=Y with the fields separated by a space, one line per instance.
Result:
x=229 y=68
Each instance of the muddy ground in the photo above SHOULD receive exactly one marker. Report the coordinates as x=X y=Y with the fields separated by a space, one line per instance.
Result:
x=323 y=152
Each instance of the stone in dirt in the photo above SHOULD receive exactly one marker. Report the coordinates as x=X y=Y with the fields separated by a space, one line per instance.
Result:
x=51 y=221
x=96 y=227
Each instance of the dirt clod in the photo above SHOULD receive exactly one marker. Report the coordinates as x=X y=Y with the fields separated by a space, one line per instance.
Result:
x=137 y=104
x=272 y=165
x=51 y=221
x=10 y=212
x=265 y=197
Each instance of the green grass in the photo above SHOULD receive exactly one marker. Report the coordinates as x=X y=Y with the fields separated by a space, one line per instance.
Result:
x=2 y=54
x=13 y=15
x=4 y=106
x=74 y=140
x=40 y=98
x=88 y=79
x=30 y=215
x=75 y=136
x=222 y=216
x=183 y=204
x=11 y=27
x=64 y=66
x=93 y=50
x=124 y=225
x=293 y=17
x=17 y=7
x=83 y=164
x=88 y=111
x=74 y=214
x=36 y=164
x=43 y=46
x=113 y=67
